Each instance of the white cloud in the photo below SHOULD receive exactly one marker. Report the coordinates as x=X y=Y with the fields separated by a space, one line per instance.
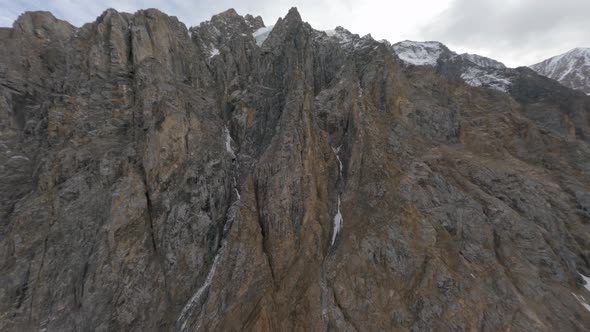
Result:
x=517 y=32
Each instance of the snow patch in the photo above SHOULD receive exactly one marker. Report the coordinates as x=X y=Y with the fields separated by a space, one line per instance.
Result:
x=582 y=301
x=586 y=281
x=336 y=151
x=480 y=77
x=214 y=51
x=228 y=141
x=337 y=222
x=261 y=34
x=419 y=53
x=196 y=298
x=19 y=158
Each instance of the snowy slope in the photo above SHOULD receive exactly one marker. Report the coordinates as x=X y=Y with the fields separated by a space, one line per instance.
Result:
x=486 y=77
x=482 y=61
x=571 y=69
x=475 y=70
x=419 y=53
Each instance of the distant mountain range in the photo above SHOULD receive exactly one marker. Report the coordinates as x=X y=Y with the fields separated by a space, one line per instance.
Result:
x=571 y=69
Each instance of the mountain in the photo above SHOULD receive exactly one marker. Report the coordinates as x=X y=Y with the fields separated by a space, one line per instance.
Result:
x=222 y=178
x=421 y=53
x=571 y=69
x=475 y=70
x=430 y=52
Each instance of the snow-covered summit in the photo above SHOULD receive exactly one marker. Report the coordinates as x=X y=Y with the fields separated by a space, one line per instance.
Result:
x=475 y=70
x=571 y=69
x=419 y=53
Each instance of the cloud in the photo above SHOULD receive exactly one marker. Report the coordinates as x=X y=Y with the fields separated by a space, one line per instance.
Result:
x=519 y=32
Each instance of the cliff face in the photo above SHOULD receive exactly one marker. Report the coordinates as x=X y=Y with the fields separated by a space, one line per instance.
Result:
x=155 y=177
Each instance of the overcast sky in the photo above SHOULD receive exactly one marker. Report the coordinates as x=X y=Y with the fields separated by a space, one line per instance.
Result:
x=516 y=32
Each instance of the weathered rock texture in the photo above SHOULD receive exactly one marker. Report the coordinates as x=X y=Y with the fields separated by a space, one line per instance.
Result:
x=154 y=177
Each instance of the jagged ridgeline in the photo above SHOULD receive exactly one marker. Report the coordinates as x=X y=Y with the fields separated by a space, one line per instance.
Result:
x=233 y=176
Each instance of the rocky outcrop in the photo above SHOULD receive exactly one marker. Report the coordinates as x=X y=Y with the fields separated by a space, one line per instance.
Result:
x=162 y=178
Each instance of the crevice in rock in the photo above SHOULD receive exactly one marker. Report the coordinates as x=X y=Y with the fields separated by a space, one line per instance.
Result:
x=38 y=278
x=22 y=290
x=197 y=298
x=262 y=231
x=150 y=221
x=201 y=295
x=338 y=220
x=346 y=317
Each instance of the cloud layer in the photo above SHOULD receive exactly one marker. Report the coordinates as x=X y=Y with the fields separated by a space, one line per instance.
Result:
x=517 y=32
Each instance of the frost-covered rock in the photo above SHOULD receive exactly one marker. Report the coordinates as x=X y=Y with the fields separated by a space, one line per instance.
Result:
x=485 y=77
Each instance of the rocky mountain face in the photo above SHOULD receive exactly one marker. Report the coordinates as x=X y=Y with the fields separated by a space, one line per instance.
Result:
x=154 y=177
x=571 y=69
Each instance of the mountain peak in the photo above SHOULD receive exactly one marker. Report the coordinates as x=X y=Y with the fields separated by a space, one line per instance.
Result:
x=229 y=13
x=255 y=23
x=571 y=69
x=42 y=24
x=293 y=14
